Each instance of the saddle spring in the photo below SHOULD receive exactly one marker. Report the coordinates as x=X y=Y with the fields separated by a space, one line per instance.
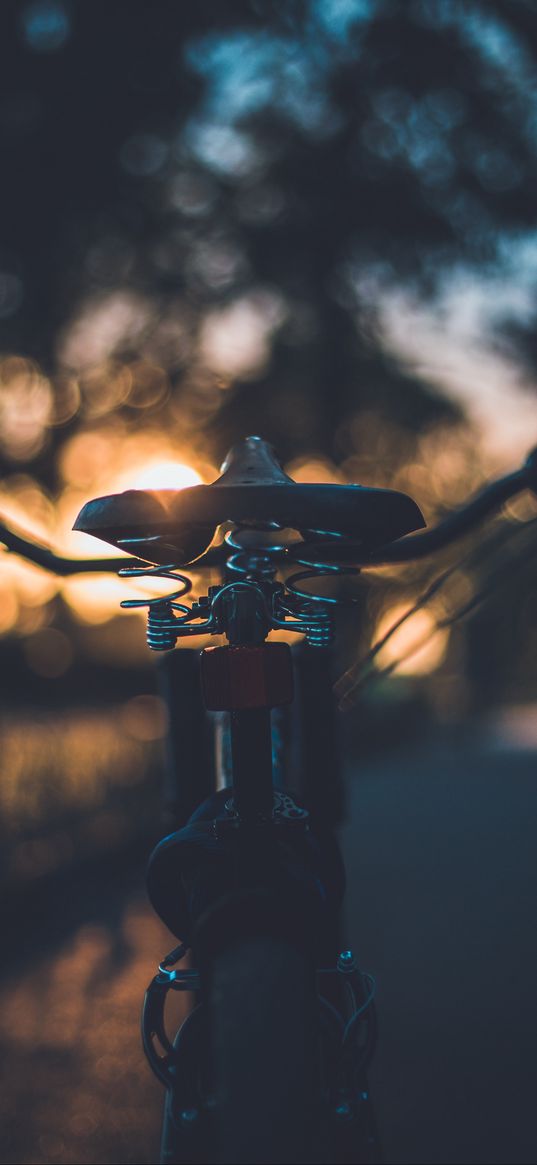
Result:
x=162 y=623
x=317 y=609
x=293 y=608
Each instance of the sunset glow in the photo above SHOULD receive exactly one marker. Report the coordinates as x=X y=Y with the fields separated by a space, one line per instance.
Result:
x=418 y=653
x=94 y=463
x=161 y=474
x=96 y=598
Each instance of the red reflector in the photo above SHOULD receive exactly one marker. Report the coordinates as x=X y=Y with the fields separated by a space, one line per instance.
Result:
x=247 y=677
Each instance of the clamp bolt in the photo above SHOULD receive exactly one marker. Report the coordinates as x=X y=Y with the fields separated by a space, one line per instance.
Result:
x=346 y=962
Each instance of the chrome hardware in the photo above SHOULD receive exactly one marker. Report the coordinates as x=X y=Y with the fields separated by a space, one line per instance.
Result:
x=161 y=634
x=346 y=962
x=321 y=628
x=305 y=618
x=314 y=610
x=179 y=980
x=351 y=1025
x=163 y=626
x=254 y=557
x=289 y=606
x=321 y=633
x=287 y=809
x=321 y=570
x=284 y=809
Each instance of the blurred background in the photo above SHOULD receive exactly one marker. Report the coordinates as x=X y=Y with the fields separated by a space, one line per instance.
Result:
x=313 y=220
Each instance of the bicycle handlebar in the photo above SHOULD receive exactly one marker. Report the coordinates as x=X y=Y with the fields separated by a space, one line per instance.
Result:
x=415 y=546
x=410 y=547
x=57 y=563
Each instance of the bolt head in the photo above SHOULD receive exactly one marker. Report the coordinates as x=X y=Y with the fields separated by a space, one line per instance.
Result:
x=346 y=961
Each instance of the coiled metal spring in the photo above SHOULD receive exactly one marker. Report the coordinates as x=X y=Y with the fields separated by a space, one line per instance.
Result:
x=290 y=606
x=163 y=626
x=251 y=561
x=316 y=610
x=322 y=630
x=306 y=618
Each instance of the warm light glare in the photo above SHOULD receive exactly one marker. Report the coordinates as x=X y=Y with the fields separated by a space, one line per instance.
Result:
x=26 y=403
x=144 y=718
x=75 y=757
x=24 y=589
x=9 y=607
x=94 y=598
x=73 y=542
x=104 y=460
x=411 y=644
x=164 y=474
x=313 y=469
x=24 y=504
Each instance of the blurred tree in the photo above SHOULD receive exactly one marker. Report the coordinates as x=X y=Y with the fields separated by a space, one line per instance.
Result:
x=223 y=189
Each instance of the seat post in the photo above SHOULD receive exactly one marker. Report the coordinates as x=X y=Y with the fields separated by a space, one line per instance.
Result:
x=247 y=681
x=251 y=756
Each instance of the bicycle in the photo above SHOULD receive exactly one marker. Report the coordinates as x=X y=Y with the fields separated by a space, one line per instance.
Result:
x=271 y=1063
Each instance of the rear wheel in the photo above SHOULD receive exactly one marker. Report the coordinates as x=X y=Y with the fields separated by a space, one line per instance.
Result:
x=265 y=1053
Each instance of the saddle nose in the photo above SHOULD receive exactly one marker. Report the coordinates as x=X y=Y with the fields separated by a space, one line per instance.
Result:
x=252 y=462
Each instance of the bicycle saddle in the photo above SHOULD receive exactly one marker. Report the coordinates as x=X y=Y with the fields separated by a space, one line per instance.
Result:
x=165 y=526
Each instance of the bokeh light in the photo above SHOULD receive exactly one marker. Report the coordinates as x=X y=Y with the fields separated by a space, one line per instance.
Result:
x=162 y=474
x=102 y=325
x=46 y=25
x=48 y=652
x=316 y=224
x=417 y=648
x=94 y=599
x=145 y=718
x=314 y=469
x=26 y=402
x=235 y=340
x=49 y=764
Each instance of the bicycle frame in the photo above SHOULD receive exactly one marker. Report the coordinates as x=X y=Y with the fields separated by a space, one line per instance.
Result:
x=274 y=870
x=250 y=835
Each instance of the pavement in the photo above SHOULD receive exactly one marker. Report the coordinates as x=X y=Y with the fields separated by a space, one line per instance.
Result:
x=441 y=854
x=440 y=846
x=75 y=1088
